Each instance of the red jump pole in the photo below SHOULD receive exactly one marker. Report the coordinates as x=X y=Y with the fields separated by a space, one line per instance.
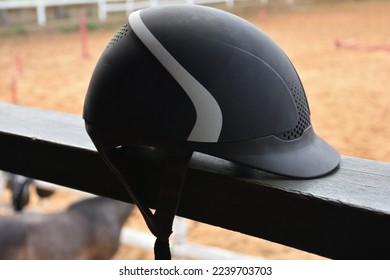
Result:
x=14 y=89
x=263 y=13
x=84 y=36
x=18 y=65
x=15 y=78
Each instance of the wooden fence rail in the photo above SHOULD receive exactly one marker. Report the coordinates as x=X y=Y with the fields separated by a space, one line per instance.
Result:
x=345 y=215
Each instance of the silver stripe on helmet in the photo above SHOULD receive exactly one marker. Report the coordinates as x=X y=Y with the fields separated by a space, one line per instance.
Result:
x=208 y=123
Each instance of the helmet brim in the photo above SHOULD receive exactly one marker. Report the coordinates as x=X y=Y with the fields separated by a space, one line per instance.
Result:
x=307 y=157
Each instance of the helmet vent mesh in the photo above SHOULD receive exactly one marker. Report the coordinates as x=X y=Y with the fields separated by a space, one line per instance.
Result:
x=122 y=32
x=303 y=112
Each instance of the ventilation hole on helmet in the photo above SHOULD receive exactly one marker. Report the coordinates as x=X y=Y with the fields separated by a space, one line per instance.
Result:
x=122 y=32
x=303 y=112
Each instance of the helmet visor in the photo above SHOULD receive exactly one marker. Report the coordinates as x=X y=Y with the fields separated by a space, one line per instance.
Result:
x=307 y=157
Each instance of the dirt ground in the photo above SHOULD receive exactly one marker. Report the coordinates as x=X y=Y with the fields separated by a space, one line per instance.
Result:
x=345 y=86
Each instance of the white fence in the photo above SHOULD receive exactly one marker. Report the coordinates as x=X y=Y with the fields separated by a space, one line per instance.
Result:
x=131 y=5
x=103 y=6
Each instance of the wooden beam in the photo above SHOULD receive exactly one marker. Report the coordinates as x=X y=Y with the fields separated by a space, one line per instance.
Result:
x=345 y=215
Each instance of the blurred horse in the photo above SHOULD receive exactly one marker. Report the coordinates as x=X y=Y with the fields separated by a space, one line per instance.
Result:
x=87 y=229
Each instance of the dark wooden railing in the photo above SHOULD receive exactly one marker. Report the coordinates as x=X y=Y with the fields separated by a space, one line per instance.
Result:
x=345 y=215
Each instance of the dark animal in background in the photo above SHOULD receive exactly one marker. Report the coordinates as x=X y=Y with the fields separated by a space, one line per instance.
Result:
x=87 y=229
x=20 y=188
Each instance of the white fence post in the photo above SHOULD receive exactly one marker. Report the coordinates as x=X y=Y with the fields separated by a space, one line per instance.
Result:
x=229 y=3
x=153 y=3
x=3 y=181
x=179 y=235
x=102 y=10
x=129 y=6
x=41 y=12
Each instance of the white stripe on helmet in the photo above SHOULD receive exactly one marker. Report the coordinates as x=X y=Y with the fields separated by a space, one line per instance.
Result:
x=208 y=123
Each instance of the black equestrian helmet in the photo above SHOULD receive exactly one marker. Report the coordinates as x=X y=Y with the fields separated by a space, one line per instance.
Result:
x=209 y=81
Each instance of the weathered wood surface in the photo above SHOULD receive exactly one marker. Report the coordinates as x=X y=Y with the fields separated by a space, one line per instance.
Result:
x=345 y=215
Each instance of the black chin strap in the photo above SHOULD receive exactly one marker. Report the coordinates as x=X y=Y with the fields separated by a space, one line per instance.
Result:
x=173 y=169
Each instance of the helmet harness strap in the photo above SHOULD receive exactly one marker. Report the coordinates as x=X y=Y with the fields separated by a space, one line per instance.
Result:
x=160 y=223
x=171 y=185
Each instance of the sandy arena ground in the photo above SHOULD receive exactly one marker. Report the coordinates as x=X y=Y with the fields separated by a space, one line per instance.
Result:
x=346 y=89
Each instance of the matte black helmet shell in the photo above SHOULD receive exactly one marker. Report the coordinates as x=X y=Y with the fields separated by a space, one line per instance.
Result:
x=208 y=80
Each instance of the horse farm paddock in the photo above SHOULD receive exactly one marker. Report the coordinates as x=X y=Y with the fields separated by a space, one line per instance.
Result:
x=341 y=52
